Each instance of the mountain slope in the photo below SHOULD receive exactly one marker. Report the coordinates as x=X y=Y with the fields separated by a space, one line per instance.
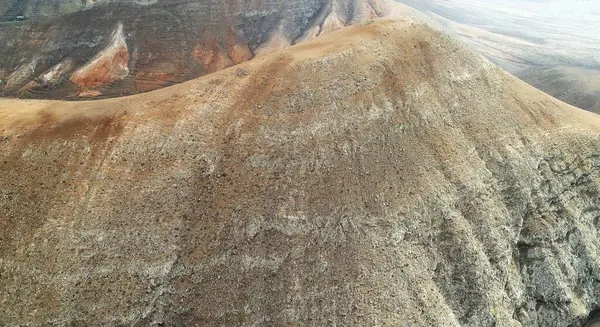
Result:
x=379 y=175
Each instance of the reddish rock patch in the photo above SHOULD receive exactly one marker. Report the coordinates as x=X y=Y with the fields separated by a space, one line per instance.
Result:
x=108 y=66
x=238 y=50
x=211 y=55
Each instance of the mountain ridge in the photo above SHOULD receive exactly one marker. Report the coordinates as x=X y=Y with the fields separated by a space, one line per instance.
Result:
x=380 y=175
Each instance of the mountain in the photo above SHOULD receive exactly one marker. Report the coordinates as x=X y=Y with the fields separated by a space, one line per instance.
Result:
x=380 y=175
x=78 y=49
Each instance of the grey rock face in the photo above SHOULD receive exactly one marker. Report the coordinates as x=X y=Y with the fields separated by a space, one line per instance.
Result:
x=379 y=176
x=36 y=9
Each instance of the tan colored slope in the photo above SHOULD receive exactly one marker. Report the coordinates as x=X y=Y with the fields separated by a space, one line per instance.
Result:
x=381 y=175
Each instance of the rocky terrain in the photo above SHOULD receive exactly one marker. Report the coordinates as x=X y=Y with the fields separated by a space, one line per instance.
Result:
x=380 y=175
x=553 y=45
x=82 y=49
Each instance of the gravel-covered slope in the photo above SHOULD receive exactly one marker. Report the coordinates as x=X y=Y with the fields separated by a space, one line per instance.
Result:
x=382 y=175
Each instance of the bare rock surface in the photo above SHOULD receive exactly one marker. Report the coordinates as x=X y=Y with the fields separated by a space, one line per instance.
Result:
x=380 y=175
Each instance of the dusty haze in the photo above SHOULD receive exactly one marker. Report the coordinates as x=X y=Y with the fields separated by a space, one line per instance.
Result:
x=553 y=45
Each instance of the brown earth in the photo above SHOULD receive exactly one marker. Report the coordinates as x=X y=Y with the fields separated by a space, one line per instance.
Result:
x=381 y=175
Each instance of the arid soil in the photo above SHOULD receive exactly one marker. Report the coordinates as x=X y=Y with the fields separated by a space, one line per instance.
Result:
x=381 y=175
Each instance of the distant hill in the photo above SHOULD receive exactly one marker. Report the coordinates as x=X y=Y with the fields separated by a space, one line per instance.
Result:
x=553 y=45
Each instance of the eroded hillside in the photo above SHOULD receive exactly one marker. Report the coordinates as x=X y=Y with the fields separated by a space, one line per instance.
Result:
x=114 y=48
x=382 y=175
